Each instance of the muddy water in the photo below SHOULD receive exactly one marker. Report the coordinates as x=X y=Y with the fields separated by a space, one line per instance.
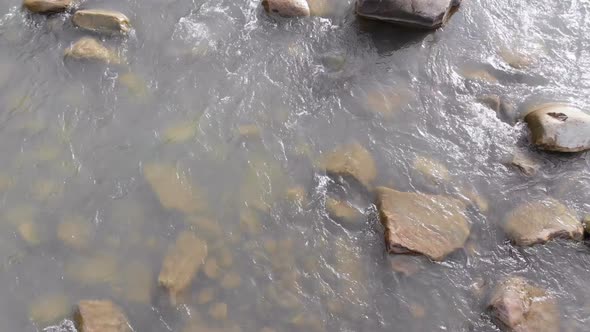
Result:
x=241 y=108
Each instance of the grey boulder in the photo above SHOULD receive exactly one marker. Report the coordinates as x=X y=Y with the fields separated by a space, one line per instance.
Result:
x=426 y=14
x=559 y=128
x=287 y=8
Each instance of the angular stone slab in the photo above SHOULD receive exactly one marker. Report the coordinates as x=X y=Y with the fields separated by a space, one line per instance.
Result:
x=101 y=21
x=416 y=223
x=519 y=306
x=101 y=316
x=559 y=128
x=425 y=14
x=352 y=161
x=47 y=6
x=539 y=222
x=90 y=49
x=287 y=8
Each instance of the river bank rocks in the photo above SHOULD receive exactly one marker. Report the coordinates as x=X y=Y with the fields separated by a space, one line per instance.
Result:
x=559 y=128
x=517 y=305
x=101 y=315
x=47 y=6
x=538 y=222
x=102 y=21
x=417 y=223
x=287 y=8
x=425 y=14
x=90 y=49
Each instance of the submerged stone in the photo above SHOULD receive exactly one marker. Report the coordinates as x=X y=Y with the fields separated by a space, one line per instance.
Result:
x=539 y=222
x=49 y=309
x=287 y=8
x=174 y=190
x=352 y=161
x=518 y=306
x=102 y=21
x=64 y=326
x=74 y=232
x=101 y=315
x=47 y=6
x=416 y=223
x=560 y=128
x=90 y=49
x=343 y=213
x=434 y=171
x=426 y=14
x=180 y=133
x=525 y=163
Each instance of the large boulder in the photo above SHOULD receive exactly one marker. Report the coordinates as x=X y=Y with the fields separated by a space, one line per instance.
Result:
x=518 y=306
x=287 y=8
x=560 y=128
x=416 y=223
x=539 y=222
x=90 y=49
x=101 y=316
x=47 y=6
x=426 y=14
x=102 y=21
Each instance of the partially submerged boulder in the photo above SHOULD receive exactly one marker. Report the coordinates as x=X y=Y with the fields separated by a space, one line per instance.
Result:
x=539 y=222
x=90 y=49
x=351 y=161
x=47 y=6
x=426 y=14
x=287 y=8
x=560 y=128
x=519 y=306
x=101 y=316
x=102 y=21
x=417 y=223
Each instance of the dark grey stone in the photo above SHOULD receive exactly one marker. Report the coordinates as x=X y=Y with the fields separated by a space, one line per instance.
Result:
x=427 y=14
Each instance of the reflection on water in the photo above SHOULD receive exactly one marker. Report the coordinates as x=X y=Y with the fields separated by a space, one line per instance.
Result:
x=220 y=122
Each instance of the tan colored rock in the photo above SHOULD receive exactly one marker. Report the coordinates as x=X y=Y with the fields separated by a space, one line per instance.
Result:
x=74 y=232
x=182 y=263
x=525 y=163
x=90 y=49
x=287 y=8
x=101 y=21
x=180 y=133
x=47 y=6
x=519 y=306
x=481 y=75
x=249 y=132
x=218 y=311
x=343 y=213
x=29 y=232
x=97 y=269
x=416 y=223
x=560 y=128
x=539 y=222
x=515 y=59
x=101 y=316
x=49 y=309
x=231 y=280
x=352 y=161
x=211 y=268
x=432 y=170
x=173 y=189
x=206 y=295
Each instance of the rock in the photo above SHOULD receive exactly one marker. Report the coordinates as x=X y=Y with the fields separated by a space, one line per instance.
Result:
x=174 y=190
x=287 y=8
x=97 y=269
x=539 y=222
x=519 y=306
x=434 y=171
x=90 y=49
x=586 y=222
x=426 y=14
x=479 y=74
x=64 y=326
x=231 y=280
x=47 y=6
x=218 y=311
x=205 y=296
x=525 y=163
x=102 y=21
x=101 y=316
x=74 y=232
x=180 y=133
x=503 y=111
x=515 y=58
x=29 y=233
x=49 y=309
x=351 y=161
x=416 y=223
x=343 y=213
x=182 y=263
x=560 y=128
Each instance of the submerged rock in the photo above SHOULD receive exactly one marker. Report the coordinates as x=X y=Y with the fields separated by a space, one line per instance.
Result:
x=287 y=8
x=90 y=49
x=416 y=223
x=539 y=222
x=560 y=128
x=426 y=14
x=525 y=163
x=102 y=21
x=433 y=171
x=64 y=326
x=519 y=306
x=47 y=6
x=101 y=315
x=352 y=161
x=503 y=110
x=49 y=309
x=344 y=214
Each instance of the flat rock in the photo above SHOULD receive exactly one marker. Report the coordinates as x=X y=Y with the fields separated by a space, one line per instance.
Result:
x=519 y=306
x=352 y=161
x=426 y=14
x=174 y=190
x=539 y=222
x=416 y=223
x=102 y=21
x=287 y=8
x=101 y=316
x=90 y=49
x=560 y=128
x=47 y=6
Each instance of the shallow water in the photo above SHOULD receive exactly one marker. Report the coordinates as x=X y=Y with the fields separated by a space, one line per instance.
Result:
x=76 y=140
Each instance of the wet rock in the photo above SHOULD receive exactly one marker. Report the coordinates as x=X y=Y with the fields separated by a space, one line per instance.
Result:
x=29 y=232
x=47 y=6
x=287 y=8
x=479 y=74
x=64 y=326
x=100 y=268
x=182 y=263
x=560 y=128
x=49 y=309
x=180 y=133
x=101 y=21
x=426 y=14
x=90 y=49
x=503 y=111
x=434 y=171
x=205 y=296
x=519 y=306
x=230 y=280
x=351 y=161
x=416 y=223
x=539 y=222
x=74 y=232
x=218 y=311
x=586 y=223
x=297 y=195
x=135 y=283
x=249 y=132
x=343 y=213
x=173 y=189
x=101 y=315
x=334 y=62
x=525 y=163
x=407 y=265
x=515 y=58
x=387 y=102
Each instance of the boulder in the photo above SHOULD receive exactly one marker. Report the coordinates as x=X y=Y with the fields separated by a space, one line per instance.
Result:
x=539 y=222
x=101 y=21
x=287 y=8
x=417 y=223
x=90 y=49
x=47 y=6
x=101 y=316
x=560 y=128
x=426 y=14
x=517 y=305
x=351 y=161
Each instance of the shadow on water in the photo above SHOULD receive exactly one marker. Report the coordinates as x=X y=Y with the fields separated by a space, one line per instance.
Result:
x=388 y=38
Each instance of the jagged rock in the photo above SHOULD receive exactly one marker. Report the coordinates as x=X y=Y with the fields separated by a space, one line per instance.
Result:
x=101 y=316
x=47 y=6
x=560 y=128
x=90 y=49
x=102 y=21
x=416 y=223
x=351 y=161
x=287 y=8
x=539 y=222
x=518 y=306
x=426 y=14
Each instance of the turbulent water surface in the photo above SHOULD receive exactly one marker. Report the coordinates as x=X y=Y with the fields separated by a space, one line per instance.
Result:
x=241 y=107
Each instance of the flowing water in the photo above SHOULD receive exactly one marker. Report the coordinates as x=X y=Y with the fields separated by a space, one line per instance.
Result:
x=241 y=107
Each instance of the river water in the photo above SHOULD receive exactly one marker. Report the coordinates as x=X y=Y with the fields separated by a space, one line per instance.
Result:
x=241 y=107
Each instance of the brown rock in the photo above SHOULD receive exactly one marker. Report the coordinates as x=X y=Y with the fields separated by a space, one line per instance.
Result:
x=90 y=49
x=287 y=8
x=173 y=189
x=47 y=6
x=560 y=128
x=351 y=161
x=343 y=213
x=416 y=223
x=525 y=163
x=101 y=316
x=101 y=21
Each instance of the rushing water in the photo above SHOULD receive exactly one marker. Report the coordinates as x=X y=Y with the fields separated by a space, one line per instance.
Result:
x=200 y=74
